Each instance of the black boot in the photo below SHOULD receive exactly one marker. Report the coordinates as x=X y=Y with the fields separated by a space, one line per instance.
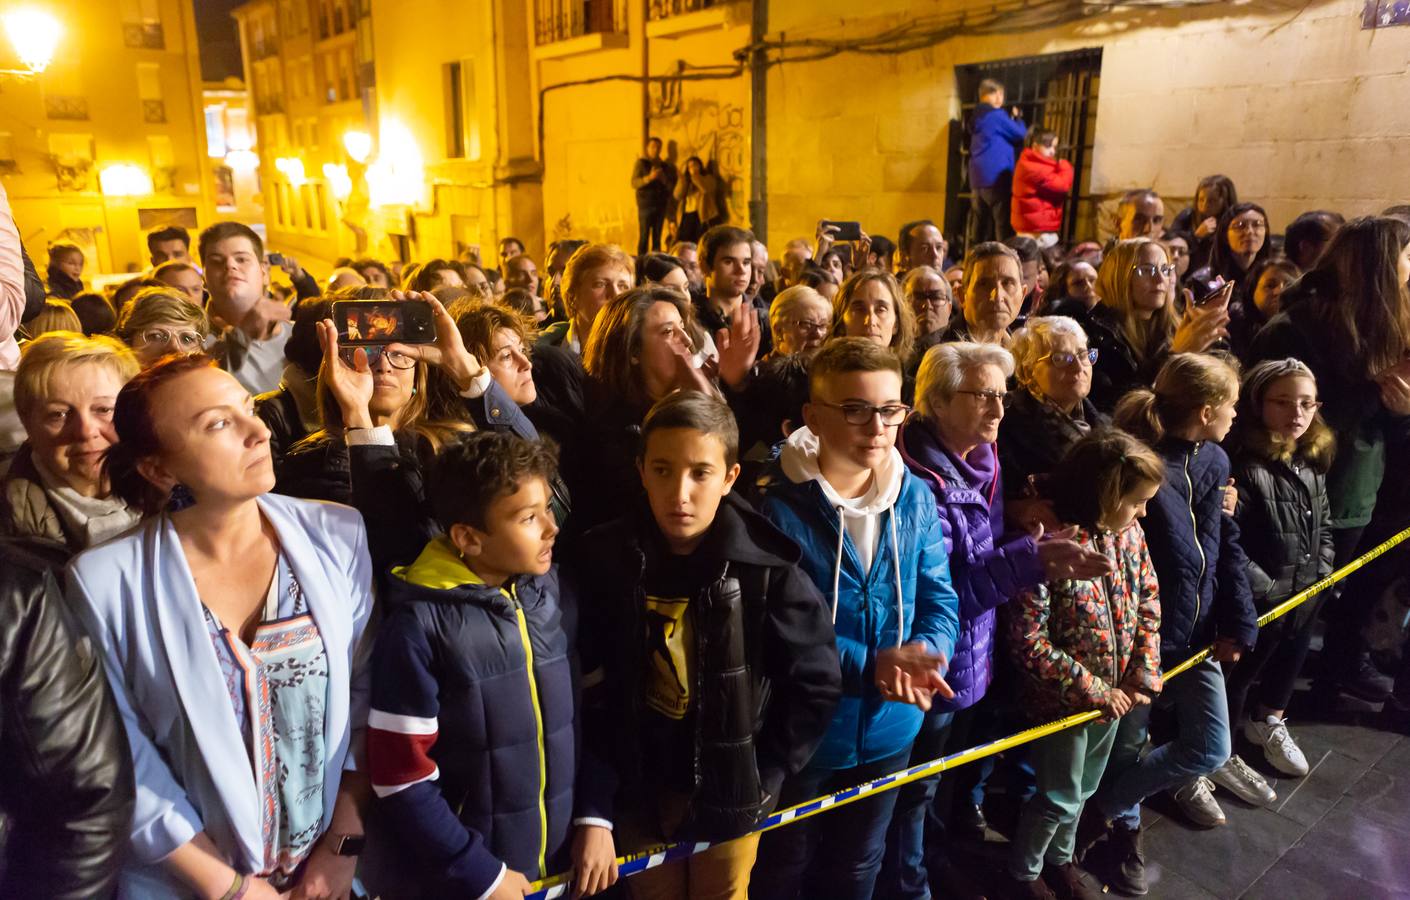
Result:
x=1361 y=679
x=1127 y=861
x=968 y=823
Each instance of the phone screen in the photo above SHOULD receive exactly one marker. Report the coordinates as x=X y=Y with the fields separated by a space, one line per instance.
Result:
x=373 y=322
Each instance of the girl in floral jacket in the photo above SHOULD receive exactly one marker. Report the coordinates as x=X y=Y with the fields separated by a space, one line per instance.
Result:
x=1083 y=645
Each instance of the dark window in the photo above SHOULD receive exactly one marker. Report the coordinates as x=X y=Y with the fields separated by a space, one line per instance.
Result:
x=1057 y=91
x=455 y=111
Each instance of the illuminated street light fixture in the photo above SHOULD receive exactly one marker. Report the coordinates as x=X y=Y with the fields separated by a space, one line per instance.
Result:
x=338 y=179
x=358 y=144
x=34 y=34
x=125 y=180
x=293 y=169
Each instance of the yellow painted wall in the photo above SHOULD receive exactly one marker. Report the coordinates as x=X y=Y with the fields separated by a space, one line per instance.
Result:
x=1295 y=102
x=93 y=62
x=595 y=133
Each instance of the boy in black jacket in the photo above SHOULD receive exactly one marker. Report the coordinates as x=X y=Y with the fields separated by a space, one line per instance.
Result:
x=713 y=672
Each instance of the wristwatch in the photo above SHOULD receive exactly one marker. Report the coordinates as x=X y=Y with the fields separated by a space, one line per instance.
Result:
x=348 y=844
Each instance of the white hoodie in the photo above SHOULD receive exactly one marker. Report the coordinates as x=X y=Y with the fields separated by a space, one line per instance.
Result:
x=860 y=517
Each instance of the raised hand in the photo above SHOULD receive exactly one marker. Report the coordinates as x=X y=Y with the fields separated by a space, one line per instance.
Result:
x=737 y=346
x=448 y=352
x=350 y=385
x=1203 y=325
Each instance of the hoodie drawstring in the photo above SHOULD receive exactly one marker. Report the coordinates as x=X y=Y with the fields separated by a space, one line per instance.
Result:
x=896 y=559
x=837 y=566
x=895 y=562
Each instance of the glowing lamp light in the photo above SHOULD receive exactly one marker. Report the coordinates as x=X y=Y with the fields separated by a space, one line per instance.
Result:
x=34 y=34
x=293 y=169
x=358 y=144
x=338 y=180
x=125 y=180
x=398 y=177
x=243 y=160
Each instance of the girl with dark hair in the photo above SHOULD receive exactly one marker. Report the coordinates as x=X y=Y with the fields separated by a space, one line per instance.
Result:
x=228 y=623
x=1086 y=644
x=1348 y=319
x=663 y=269
x=1240 y=243
x=1262 y=301
x=1214 y=196
x=1283 y=452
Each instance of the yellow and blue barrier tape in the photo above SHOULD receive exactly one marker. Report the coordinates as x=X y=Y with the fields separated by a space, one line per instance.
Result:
x=558 y=885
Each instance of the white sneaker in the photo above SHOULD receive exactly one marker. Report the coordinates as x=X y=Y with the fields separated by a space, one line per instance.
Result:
x=1279 y=748
x=1196 y=800
x=1236 y=777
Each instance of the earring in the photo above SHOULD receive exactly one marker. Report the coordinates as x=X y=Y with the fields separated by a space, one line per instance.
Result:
x=413 y=391
x=180 y=498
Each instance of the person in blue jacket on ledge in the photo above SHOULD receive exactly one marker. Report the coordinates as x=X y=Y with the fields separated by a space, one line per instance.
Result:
x=872 y=544
x=996 y=137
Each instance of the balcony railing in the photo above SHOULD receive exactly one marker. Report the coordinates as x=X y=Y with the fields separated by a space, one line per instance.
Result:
x=145 y=35
x=664 y=9
x=58 y=106
x=560 y=20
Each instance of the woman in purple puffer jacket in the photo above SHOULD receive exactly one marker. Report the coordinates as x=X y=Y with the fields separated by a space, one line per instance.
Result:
x=949 y=445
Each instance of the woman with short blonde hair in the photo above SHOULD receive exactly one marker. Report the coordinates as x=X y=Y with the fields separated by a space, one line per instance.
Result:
x=56 y=487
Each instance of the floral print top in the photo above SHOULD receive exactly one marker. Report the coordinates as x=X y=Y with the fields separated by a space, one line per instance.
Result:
x=1074 y=641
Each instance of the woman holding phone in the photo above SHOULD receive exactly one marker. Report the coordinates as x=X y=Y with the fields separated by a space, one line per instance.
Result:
x=1134 y=326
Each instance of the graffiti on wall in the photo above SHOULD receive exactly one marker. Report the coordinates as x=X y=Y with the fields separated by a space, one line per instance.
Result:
x=716 y=131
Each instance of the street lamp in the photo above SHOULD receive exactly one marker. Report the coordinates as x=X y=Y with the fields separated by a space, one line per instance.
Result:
x=358 y=144
x=125 y=180
x=34 y=34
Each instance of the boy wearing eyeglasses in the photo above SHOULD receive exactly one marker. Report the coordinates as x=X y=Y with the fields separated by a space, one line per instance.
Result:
x=872 y=544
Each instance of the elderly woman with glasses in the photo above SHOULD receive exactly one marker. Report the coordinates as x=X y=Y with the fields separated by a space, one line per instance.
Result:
x=159 y=321
x=951 y=445
x=56 y=488
x=799 y=320
x=1048 y=412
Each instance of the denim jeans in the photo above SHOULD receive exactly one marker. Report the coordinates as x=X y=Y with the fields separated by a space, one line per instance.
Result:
x=1202 y=744
x=834 y=854
x=903 y=871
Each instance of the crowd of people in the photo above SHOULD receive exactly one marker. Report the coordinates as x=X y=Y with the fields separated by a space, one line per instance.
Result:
x=637 y=549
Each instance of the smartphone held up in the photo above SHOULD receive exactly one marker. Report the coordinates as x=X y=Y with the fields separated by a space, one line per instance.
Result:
x=364 y=323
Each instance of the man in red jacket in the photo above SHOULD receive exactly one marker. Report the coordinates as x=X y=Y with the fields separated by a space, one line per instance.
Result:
x=1041 y=183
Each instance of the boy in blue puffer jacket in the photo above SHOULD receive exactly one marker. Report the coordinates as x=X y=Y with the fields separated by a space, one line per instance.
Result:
x=872 y=544
x=472 y=733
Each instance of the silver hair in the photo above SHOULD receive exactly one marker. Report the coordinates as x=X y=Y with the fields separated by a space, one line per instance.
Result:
x=944 y=367
x=786 y=304
x=1035 y=340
